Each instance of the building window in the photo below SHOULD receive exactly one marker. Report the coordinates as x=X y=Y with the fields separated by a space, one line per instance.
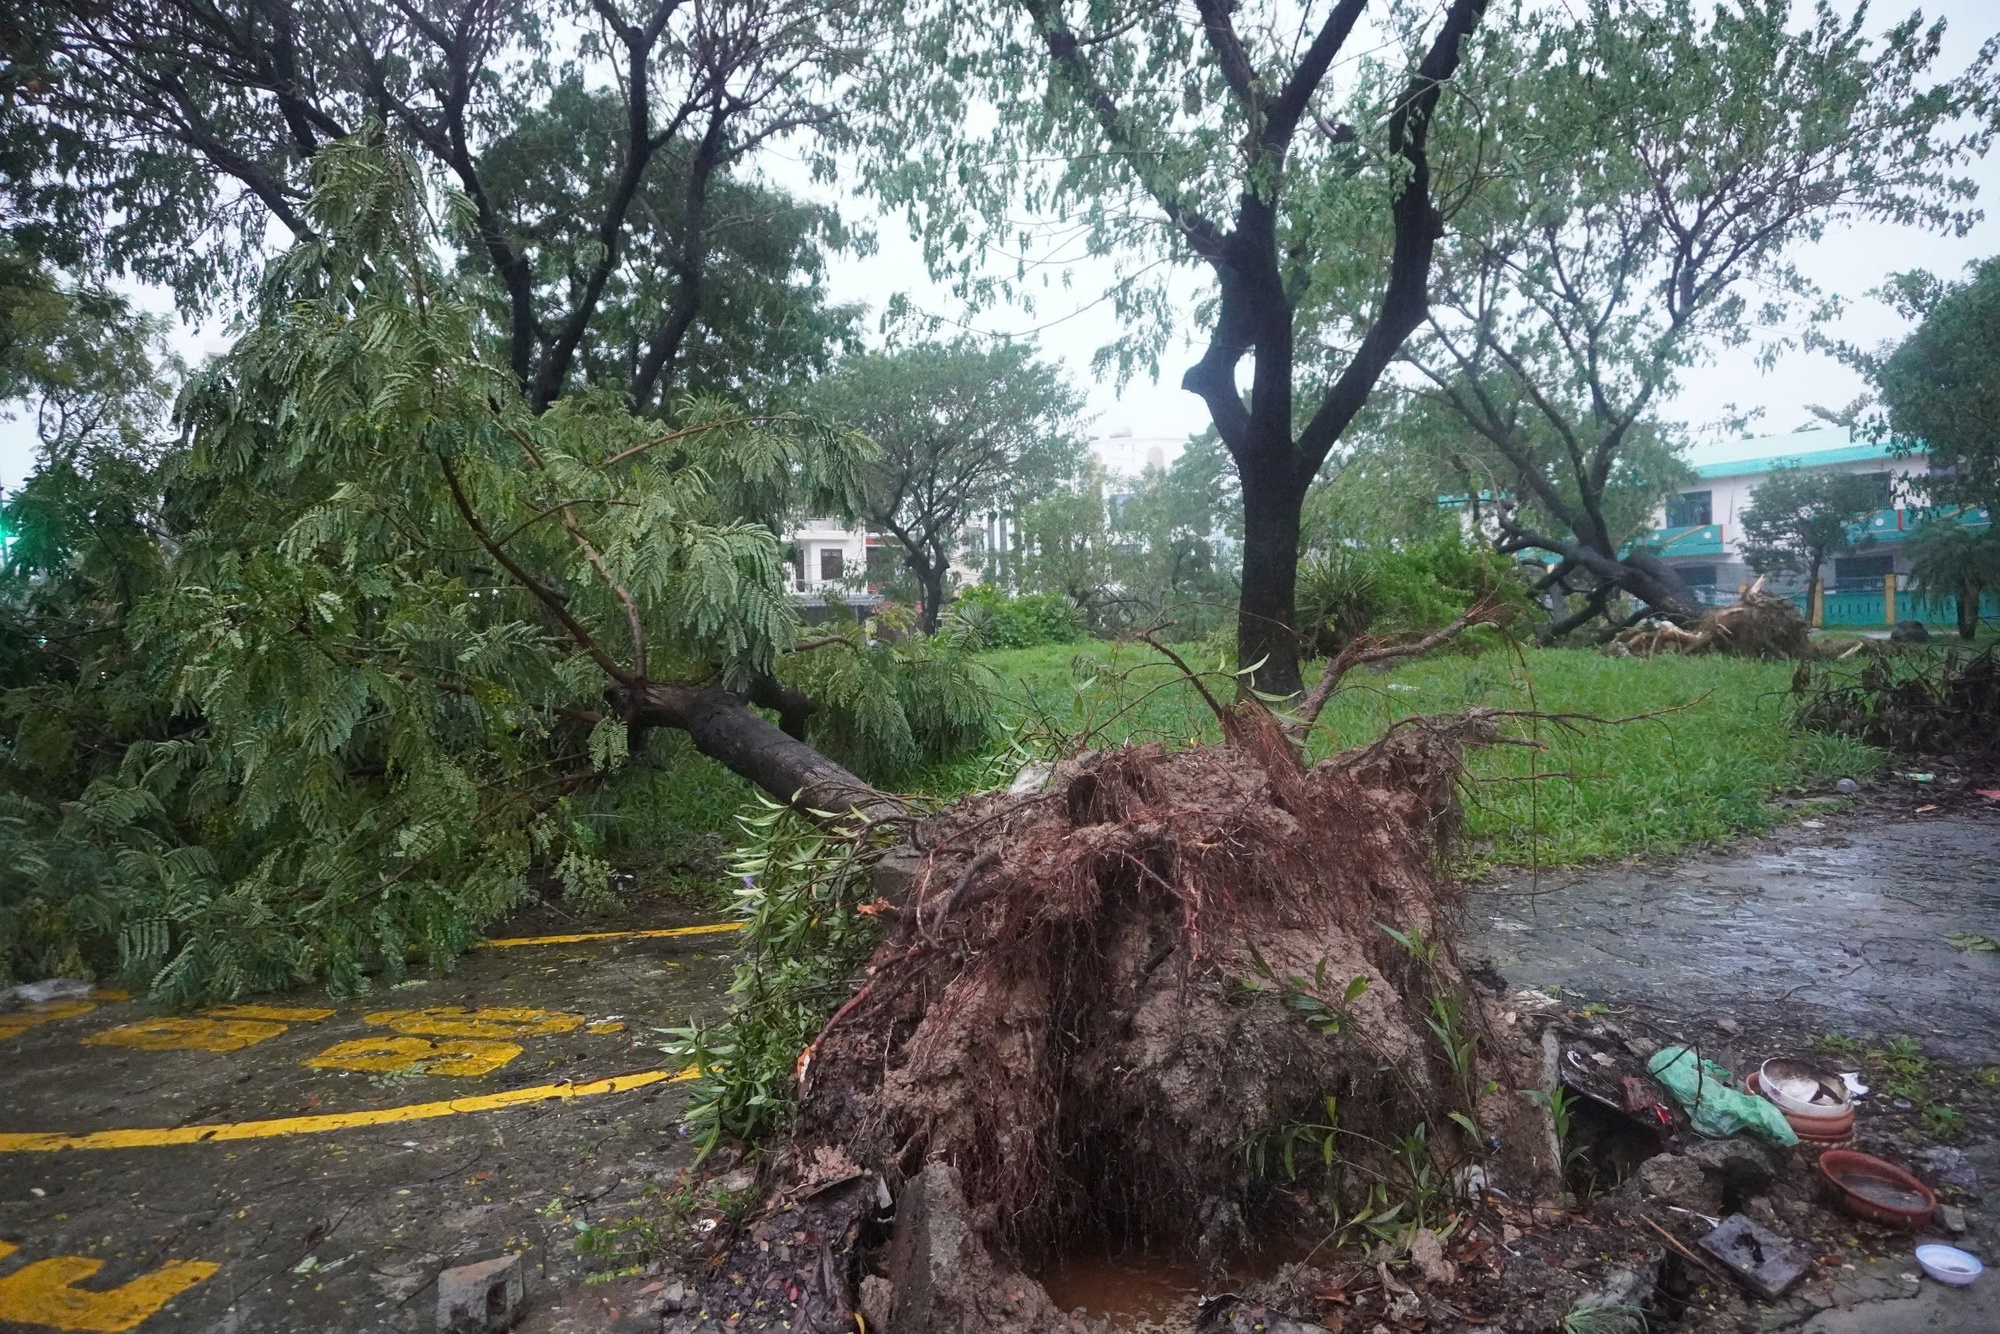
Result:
x=1697 y=576
x=1691 y=509
x=1861 y=573
x=832 y=563
x=1885 y=485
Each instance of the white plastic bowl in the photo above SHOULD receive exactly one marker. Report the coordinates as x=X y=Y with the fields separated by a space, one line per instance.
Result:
x=1948 y=1264
x=1771 y=1082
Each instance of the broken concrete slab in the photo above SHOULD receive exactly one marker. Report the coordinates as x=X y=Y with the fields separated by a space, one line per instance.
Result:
x=1760 y=1259
x=482 y=1298
x=1935 y=1309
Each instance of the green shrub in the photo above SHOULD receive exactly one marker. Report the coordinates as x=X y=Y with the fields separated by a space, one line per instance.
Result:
x=1000 y=621
x=1351 y=591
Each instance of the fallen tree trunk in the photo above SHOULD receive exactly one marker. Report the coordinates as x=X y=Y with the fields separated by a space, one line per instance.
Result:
x=1101 y=1008
x=726 y=729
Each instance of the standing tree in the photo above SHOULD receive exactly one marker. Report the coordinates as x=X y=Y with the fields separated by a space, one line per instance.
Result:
x=1798 y=520
x=1940 y=388
x=1652 y=166
x=597 y=171
x=1194 y=138
x=1950 y=559
x=959 y=432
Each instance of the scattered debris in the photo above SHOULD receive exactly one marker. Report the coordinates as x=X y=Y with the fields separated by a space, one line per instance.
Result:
x=1709 y=1094
x=1949 y=705
x=1757 y=1257
x=41 y=993
x=1757 y=625
x=1948 y=1264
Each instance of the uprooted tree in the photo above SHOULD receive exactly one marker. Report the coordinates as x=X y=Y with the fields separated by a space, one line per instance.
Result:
x=401 y=616
x=1647 y=169
x=1131 y=1005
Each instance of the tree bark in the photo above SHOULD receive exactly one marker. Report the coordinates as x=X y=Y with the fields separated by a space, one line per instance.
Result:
x=1968 y=610
x=1266 y=629
x=730 y=732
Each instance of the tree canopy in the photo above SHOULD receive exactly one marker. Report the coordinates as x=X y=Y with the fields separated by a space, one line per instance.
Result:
x=403 y=615
x=1800 y=518
x=960 y=432
x=611 y=232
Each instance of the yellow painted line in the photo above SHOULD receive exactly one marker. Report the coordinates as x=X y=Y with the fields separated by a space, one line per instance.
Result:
x=168 y=1034
x=458 y=1057
x=455 y=1021
x=50 y=1142
x=281 y=1013
x=664 y=933
x=45 y=1293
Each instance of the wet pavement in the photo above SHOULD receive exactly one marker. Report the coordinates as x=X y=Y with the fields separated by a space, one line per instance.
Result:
x=305 y=1164
x=1835 y=929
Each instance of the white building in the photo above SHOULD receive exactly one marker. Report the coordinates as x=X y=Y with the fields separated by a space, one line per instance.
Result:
x=1700 y=531
x=828 y=556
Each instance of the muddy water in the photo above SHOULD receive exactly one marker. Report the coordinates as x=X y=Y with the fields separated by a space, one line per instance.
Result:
x=1838 y=929
x=1124 y=1287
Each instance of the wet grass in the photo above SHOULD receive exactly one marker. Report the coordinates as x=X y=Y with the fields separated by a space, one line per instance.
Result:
x=1706 y=767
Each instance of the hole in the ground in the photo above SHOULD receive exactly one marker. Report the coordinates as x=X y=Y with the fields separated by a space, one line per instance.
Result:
x=1605 y=1146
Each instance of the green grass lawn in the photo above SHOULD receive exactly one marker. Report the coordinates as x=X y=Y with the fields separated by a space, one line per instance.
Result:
x=1703 y=771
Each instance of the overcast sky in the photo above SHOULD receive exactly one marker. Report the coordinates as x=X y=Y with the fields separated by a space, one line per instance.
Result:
x=1072 y=327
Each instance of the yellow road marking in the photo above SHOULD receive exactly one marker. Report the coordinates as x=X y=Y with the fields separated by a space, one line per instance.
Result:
x=20 y=1021
x=283 y=1014
x=493 y=1021
x=664 y=933
x=45 y=1293
x=601 y=1026
x=50 y=1142
x=163 y=1034
x=454 y=1056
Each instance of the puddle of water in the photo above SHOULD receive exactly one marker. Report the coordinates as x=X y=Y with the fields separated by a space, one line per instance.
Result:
x=1877 y=1191
x=1122 y=1287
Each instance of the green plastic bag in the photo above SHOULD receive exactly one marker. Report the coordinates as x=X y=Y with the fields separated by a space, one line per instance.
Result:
x=1708 y=1093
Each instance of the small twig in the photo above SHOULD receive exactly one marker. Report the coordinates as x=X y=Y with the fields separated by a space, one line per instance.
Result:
x=1151 y=637
x=1675 y=1242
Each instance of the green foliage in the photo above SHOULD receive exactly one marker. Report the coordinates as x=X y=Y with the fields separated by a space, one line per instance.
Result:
x=1326 y=1009
x=996 y=620
x=1953 y=563
x=801 y=944
x=1798 y=519
x=1636 y=183
x=887 y=709
x=350 y=704
x=1345 y=592
x=1940 y=388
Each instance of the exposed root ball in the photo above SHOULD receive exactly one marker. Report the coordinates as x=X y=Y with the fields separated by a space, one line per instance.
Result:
x=1083 y=1004
x=1758 y=625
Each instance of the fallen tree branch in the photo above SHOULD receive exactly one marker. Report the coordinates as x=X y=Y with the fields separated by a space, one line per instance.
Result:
x=1356 y=655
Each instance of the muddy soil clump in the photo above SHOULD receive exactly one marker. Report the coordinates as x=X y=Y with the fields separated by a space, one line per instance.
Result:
x=1094 y=1002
